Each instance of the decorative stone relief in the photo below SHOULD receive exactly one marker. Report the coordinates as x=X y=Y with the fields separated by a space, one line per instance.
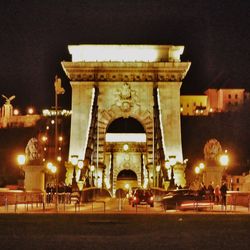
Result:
x=212 y=149
x=126 y=99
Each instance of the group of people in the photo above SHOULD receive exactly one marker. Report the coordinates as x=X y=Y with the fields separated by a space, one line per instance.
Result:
x=217 y=194
x=62 y=189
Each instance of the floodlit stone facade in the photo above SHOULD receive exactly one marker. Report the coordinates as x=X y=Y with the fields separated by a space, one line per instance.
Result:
x=127 y=81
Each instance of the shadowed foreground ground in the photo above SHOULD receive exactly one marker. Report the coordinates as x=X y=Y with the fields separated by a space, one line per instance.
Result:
x=117 y=231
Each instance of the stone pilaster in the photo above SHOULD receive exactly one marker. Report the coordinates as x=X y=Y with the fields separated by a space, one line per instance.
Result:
x=82 y=98
x=169 y=104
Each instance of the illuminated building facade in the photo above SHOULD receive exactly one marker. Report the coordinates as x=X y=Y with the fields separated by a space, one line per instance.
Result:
x=192 y=105
x=110 y=82
x=224 y=100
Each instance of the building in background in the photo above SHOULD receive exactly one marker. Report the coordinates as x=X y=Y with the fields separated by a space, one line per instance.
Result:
x=224 y=100
x=192 y=105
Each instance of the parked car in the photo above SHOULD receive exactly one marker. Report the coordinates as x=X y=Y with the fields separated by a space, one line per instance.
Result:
x=142 y=197
x=185 y=199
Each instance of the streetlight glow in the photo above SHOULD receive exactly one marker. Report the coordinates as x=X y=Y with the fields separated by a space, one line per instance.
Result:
x=21 y=159
x=224 y=160
x=92 y=168
x=201 y=165
x=30 y=111
x=158 y=168
x=80 y=164
x=197 y=170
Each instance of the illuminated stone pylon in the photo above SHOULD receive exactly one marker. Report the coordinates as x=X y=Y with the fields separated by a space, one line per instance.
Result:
x=123 y=79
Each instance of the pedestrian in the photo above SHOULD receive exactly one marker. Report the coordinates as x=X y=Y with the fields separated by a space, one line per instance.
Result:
x=217 y=194
x=211 y=192
x=223 y=192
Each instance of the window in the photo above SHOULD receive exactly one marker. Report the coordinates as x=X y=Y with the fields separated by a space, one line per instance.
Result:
x=237 y=180
x=187 y=105
x=236 y=96
x=229 y=96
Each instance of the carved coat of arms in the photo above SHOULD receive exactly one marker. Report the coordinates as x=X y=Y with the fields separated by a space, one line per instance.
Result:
x=125 y=97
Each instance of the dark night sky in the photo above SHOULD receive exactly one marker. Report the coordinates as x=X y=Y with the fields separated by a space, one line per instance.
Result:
x=35 y=34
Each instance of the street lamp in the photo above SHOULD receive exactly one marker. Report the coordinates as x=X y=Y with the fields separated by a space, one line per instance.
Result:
x=53 y=169
x=224 y=161
x=199 y=170
x=158 y=168
x=92 y=169
x=172 y=162
x=74 y=160
x=21 y=159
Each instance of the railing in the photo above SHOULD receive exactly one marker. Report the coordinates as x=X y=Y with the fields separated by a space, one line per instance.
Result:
x=238 y=198
x=8 y=198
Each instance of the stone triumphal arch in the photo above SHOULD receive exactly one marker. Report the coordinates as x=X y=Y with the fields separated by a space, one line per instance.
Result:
x=139 y=82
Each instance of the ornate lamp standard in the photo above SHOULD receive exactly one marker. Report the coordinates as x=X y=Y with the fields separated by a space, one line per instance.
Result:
x=21 y=160
x=73 y=161
x=224 y=161
x=53 y=169
x=92 y=169
x=158 y=168
x=172 y=161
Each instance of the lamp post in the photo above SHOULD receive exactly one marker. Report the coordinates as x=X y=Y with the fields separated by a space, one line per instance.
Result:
x=53 y=169
x=158 y=168
x=73 y=161
x=21 y=160
x=172 y=161
x=92 y=169
x=199 y=171
x=224 y=161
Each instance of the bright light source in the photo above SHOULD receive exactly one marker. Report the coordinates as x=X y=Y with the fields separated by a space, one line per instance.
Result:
x=49 y=165
x=197 y=170
x=47 y=127
x=16 y=112
x=92 y=168
x=181 y=109
x=125 y=147
x=44 y=138
x=80 y=164
x=52 y=121
x=21 y=159
x=201 y=165
x=60 y=138
x=59 y=158
x=53 y=169
x=224 y=160
x=30 y=111
x=158 y=168
x=126 y=186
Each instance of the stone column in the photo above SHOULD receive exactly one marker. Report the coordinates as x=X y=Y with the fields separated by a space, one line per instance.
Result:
x=34 y=177
x=169 y=105
x=82 y=100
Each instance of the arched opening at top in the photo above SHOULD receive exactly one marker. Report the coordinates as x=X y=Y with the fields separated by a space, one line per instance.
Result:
x=127 y=175
x=125 y=125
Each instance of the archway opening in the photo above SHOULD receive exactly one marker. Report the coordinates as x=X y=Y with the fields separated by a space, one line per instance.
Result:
x=125 y=125
x=126 y=180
